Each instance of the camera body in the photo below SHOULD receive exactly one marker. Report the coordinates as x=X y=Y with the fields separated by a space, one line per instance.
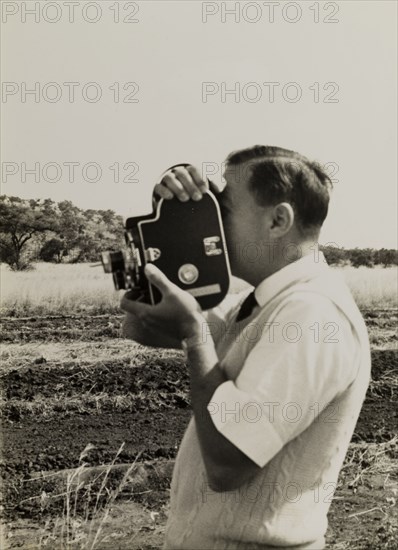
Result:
x=185 y=240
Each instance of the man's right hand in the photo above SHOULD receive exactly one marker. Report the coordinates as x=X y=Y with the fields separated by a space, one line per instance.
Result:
x=183 y=182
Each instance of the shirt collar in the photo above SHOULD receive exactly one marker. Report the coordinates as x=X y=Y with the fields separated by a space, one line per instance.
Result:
x=301 y=270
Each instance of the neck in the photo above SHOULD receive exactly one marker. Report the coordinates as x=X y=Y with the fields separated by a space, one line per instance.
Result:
x=280 y=255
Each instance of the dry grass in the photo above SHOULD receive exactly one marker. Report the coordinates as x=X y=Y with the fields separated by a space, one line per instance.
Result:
x=95 y=507
x=364 y=459
x=368 y=488
x=385 y=386
x=52 y=289
x=89 y=499
x=82 y=529
x=68 y=289
x=83 y=403
x=375 y=287
x=88 y=355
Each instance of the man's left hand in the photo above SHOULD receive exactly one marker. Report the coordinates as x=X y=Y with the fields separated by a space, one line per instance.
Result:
x=178 y=315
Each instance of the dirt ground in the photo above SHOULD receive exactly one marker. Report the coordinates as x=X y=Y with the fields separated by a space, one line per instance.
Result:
x=67 y=382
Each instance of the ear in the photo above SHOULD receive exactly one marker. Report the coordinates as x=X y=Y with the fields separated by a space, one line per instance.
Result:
x=282 y=219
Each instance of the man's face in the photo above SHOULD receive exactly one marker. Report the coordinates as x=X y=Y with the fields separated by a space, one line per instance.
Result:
x=245 y=222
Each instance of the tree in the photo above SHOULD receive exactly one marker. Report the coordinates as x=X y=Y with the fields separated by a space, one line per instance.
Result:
x=334 y=255
x=52 y=250
x=361 y=256
x=20 y=221
x=71 y=226
x=103 y=230
x=387 y=257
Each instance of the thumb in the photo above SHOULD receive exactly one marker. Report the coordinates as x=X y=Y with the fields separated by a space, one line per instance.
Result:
x=158 y=278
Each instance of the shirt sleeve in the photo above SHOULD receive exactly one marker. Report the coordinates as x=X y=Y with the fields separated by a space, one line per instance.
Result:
x=305 y=357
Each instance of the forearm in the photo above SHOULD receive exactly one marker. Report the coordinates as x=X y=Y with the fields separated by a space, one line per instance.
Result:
x=227 y=467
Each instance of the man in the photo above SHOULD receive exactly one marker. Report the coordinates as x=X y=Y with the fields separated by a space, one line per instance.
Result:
x=277 y=376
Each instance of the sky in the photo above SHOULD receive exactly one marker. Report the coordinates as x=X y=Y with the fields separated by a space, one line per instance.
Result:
x=123 y=90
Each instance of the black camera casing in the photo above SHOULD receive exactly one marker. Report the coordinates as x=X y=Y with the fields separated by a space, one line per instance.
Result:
x=186 y=241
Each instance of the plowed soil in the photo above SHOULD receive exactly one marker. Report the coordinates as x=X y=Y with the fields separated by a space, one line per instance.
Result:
x=51 y=409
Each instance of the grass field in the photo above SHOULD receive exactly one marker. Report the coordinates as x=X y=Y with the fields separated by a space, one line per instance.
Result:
x=91 y=422
x=52 y=289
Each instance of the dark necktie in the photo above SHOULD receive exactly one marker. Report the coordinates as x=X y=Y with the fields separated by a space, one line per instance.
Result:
x=247 y=307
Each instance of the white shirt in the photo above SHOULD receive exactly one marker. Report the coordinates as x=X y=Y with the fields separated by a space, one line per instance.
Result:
x=298 y=370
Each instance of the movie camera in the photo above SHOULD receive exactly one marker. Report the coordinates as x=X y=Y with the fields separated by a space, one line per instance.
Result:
x=185 y=240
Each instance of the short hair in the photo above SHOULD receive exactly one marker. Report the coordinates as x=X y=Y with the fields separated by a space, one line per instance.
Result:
x=277 y=175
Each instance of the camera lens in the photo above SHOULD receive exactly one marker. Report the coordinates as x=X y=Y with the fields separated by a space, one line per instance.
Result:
x=112 y=261
x=118 y=279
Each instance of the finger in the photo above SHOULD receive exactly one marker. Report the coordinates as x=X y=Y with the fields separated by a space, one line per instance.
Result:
x=215 y=188
x=162 y=192
x=175 y=186
x=198 y=179
x=158 y=279
x=132 y=306
x=184 y=177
